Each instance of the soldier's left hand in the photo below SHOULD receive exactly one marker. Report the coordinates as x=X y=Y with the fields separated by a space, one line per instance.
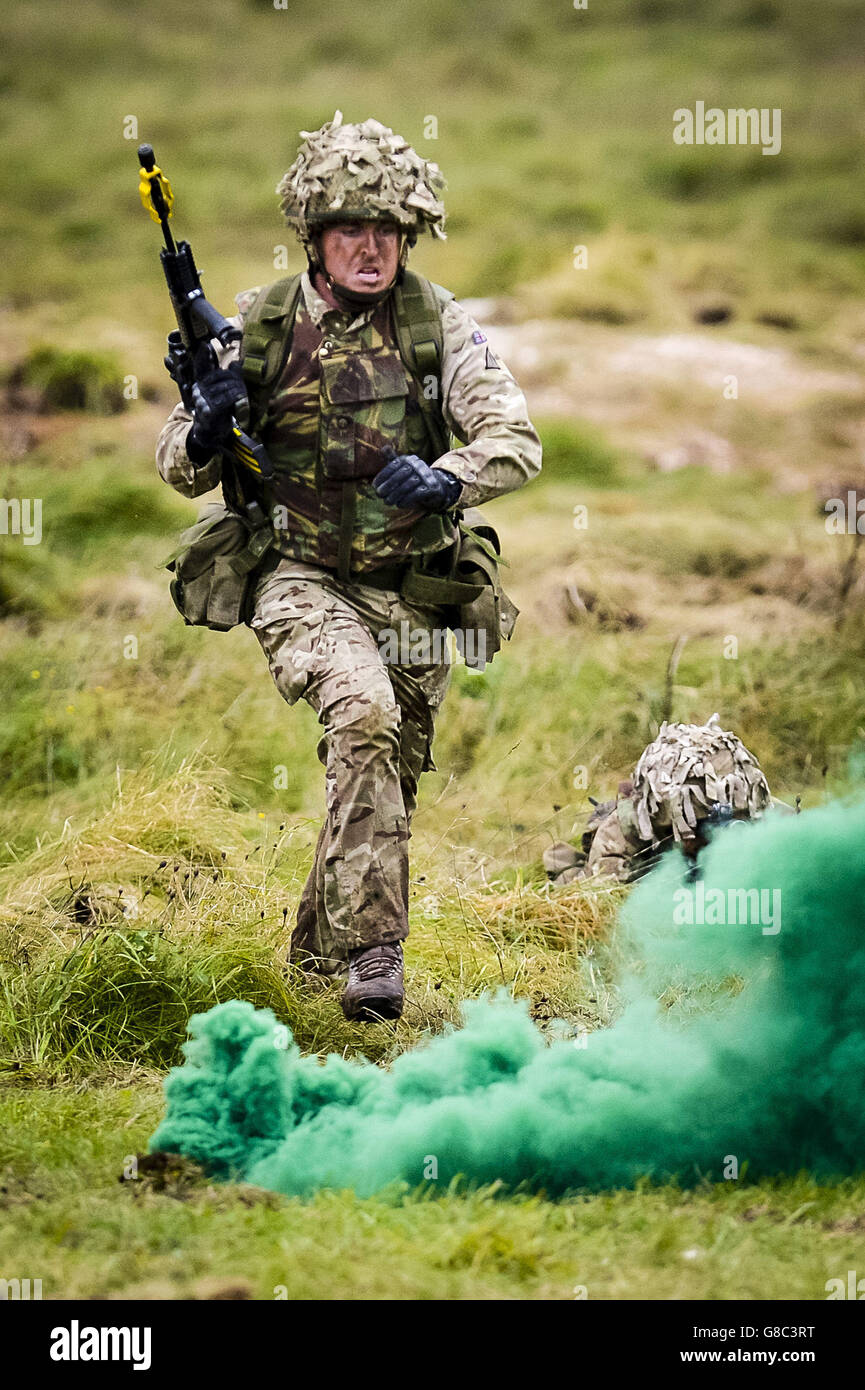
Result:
x=406 y=481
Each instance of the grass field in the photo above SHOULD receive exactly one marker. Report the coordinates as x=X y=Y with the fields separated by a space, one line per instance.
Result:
x=94 y=1239
x=160 y=803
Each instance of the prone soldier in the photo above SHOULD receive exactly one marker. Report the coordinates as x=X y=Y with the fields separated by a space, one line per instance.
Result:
x=691 y=778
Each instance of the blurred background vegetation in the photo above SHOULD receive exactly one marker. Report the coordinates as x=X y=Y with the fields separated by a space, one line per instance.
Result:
x=160 y=803
x=554 y=129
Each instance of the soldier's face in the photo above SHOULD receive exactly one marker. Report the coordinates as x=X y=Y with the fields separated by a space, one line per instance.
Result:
x=362 y=256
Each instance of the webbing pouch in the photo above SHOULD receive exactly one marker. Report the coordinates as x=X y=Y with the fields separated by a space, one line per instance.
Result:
x=464 y=581
x=214 y=568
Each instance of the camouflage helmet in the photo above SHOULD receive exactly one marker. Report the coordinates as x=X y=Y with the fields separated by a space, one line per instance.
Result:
x=360 y=171
x=686 y=772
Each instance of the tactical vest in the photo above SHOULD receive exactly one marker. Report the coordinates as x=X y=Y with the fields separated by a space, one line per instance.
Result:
x=326 y=406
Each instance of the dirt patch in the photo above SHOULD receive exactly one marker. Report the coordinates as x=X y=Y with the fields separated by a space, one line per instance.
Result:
x=683 y=399
x=172 y=1175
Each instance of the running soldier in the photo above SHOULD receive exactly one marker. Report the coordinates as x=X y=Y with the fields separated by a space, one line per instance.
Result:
x=384 y=413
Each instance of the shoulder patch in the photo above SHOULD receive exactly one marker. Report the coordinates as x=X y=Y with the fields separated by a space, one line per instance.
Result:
x=478 y=336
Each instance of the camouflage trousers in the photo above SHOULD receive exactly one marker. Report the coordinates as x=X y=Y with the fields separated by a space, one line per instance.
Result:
x=333 y=644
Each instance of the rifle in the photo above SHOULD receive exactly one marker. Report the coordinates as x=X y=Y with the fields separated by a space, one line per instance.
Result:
x=190 y=353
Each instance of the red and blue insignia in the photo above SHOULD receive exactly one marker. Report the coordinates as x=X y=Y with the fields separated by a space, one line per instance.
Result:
x=478 y=336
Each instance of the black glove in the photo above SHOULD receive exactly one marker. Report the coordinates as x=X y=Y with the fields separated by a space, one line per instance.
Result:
x=215 y=401
x=406 y=481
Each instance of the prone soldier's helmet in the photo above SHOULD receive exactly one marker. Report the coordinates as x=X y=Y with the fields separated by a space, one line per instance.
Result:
x=692 y=774
x=360 y=171
x=692 y=778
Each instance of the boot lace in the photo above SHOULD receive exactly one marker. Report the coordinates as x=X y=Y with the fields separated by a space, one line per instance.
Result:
x=377 y=962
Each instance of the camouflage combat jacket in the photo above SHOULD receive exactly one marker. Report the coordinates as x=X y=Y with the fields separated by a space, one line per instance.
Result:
x=343 y=396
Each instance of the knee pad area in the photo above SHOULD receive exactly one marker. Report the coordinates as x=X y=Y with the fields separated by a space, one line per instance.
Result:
x=365 y=719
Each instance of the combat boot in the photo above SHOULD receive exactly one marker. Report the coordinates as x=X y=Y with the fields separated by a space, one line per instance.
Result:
x=375 y=984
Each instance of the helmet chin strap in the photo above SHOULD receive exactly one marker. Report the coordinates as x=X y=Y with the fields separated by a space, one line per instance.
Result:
x=354 y=298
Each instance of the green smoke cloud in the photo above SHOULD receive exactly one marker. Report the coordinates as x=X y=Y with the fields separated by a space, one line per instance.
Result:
x=773 y=1074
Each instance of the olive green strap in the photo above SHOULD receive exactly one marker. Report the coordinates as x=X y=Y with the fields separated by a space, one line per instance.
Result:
x=266 y=341
x=346 y=529
x=259 y=541
x=417 y=316
x=417 y=313
x=482 y=542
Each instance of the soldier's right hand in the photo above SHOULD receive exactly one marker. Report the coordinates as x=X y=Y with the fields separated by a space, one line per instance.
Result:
x=215 y=401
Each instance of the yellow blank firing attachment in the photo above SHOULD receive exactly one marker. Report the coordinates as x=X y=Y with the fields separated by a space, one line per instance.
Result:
x=147 y=179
